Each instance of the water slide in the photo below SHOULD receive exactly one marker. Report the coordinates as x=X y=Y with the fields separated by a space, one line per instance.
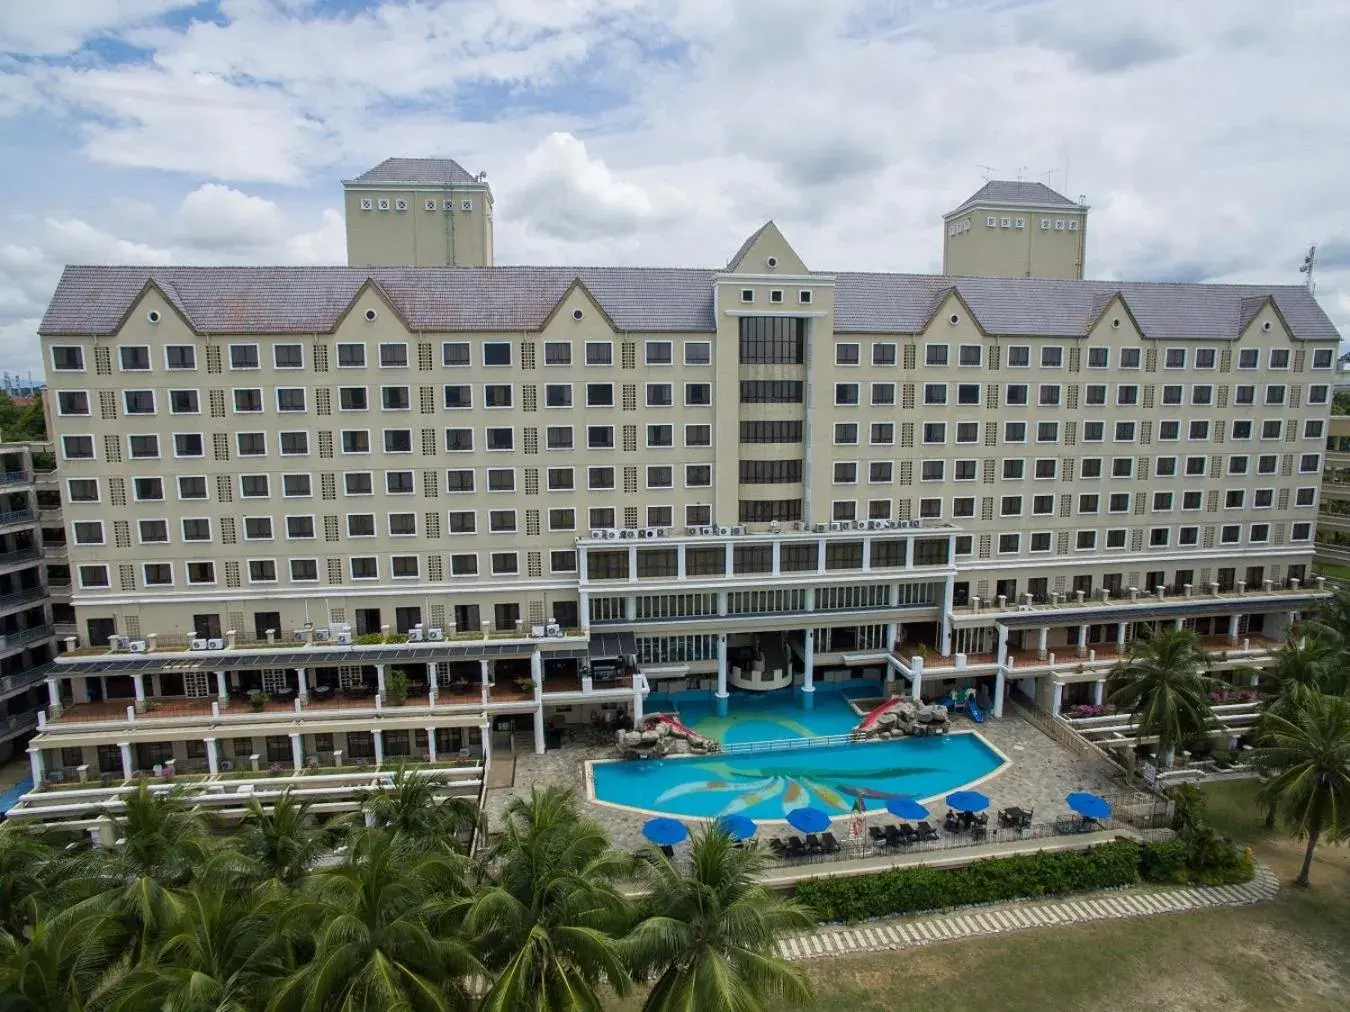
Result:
x=875 y=713
x=976 y=714
x=661 y=718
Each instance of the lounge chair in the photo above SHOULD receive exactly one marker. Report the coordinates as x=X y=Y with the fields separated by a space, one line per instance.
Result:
x=829 y=844
x=907 y=833
x=795 y=847
x=777 y=846
x=813 y=845
x=927 y=832
x=876 y=834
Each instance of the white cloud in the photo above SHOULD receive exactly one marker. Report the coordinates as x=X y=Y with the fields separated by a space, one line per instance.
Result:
x=30 y=26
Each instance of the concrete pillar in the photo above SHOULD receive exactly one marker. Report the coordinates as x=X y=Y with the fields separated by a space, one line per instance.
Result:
x=820 y=555
x=539 y=729
x=1042 y=642
x=721 y=602
x=891 y=632
x=378 y=737
x=139 y=682
x=1120 y=636
x=297 y=752
x=212 y=755
x=1058 y=698
x=1233 y=629
x=1082 y=640
x=1098 y=691
x=222 y=690
x=1001 y=674
x=38 y=767
x=999 y=680
x=379 y=679
x=681 y=561
x=1178 y=622
x=777 y=555
x=916 y=666
x=638 y=686
x=630 y=607
x=54 y=695
x=584 y=606
x=867 y=555
x=948 y=590
x=809 y=665
x=431 y=744
x=722 y=695
x=301 y=685
x=128 y=766
x=632 y=562
x=485 y=731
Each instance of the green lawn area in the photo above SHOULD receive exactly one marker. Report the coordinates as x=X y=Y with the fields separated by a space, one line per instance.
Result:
x=1293 y=953
x=1332 y=571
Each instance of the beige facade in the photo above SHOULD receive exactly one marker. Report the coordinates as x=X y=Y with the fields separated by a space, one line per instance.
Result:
x=1015 y=230
x=417 y=212
x=753 y=476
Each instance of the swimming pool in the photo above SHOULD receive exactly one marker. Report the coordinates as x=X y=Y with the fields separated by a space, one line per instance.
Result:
x=768 y=716
x=768 y=785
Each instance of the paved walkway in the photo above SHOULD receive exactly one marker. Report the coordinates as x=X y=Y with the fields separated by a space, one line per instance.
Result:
x=973 y=922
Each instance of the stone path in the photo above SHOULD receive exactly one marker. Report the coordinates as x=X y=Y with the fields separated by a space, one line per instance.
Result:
x=973 y=922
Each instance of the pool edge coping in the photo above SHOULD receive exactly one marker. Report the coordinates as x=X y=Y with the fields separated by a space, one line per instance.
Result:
x=588 y=774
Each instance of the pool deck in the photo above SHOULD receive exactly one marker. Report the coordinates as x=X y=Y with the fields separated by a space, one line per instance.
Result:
x=1039 y=775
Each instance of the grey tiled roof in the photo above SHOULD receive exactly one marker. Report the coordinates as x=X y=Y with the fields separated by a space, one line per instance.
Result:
x=1016 y=193
x=417 y=170
x=286 y=300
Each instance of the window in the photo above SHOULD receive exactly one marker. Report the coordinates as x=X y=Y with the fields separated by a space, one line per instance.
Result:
x=1125 y=432
x=196 y=529
x=970 y=355
x=846 y=393
x=72 y=402
x=248 y=401
x=82 y=489
x=1010 y=506
x=883 y=354
x=1205 y=358
x=398 y=482
x=1242 y=428
x=562 y=519
x=1129 y=358
x=1174 y=358
x=963 y=470
x=697 y=352
x=935 y=355
x=1019 y=356
x=455 y=354
x=882 y=433
x=1321 y=358
x=496 y=353
x=1309 y=463
x=288 y=356
x=1238 y=465
x=1318 y=393
x=1162 y=502
x=304 y=570
x=398 y=441
x=148 y=489
x=883 y=394
x=931 y=470
x=502 y=521
x=1312 y=428
x=1118 y=502
x=1094 y=394
x=1248 y=358
x=1016 y=394
x=1014 y=468
x=398 y=399
x=1088 y=504
x=403 y=566
x=244 y=356
x=935 y=393
x=1165 y=467
x=1122 y=467
x=1159 y=537
x=93 y=576
x=143 y=447
x=1127 y=393
x=1094 y=432
x=184 y=402
x=698 y=435
x=393 y=355
x=1275 y=393
x=879 y=472
x=253 y=486
x=1172 y=394
x=700 y=394
x=497 y=395
x=1098 y=358
x=1202 y=394
x=260 y=528
x=1047 y=432
x=1305 y=497
x=967 y=432
x=88 y=532
x=351 y=356
x=67 y=358
x=845 y=433
x=599 y=353
x=698 y=475
x=660 y=476
x=658 y=352
x=1009 y=544
x=1085 y=540
x=139 y=402
x=1014 y=432
x=1267 y=463
x=933 y=432
x=505 y=564
x=353 y=399
x=1049 y=394
x=1052 y=357
x=500 y=439
x=191 y=487
x=1042 y=505
x=845 y=473
x=1279 y=358
x=1272 y=428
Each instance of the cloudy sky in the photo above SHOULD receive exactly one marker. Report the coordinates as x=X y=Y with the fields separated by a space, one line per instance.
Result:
x=1211 y=137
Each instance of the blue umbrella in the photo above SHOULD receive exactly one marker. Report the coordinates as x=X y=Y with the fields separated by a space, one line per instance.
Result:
x=738 y=827
x=809 y=820
x=1089 y=805
x=664 y=832
x=967 y=801
x=906 y=808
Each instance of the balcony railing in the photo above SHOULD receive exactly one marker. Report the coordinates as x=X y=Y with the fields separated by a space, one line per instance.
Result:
x=8 y=601
x=13 y=683
x=16 y=517
x=15 y=478
x=17 y=724
x=17 y=639
x=19 y=555
x=1141 y=598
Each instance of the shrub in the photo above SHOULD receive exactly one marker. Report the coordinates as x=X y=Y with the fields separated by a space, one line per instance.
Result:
x=1164 y=862
x=904 y=890
x=396 y=687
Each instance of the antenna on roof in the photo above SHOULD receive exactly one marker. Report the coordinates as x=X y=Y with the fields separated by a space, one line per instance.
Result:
x=1309 y=262
x=1049 y=177
x=1020 y=170
x=988 y=171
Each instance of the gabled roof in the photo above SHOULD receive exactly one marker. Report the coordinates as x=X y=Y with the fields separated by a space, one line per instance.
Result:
x=289 y=300
x=416 y=170
x=1016 y=193
x=750 y=240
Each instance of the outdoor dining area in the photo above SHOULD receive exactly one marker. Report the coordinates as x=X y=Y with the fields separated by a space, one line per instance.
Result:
x=966 y=822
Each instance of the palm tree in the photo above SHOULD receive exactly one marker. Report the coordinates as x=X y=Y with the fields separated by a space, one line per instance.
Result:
x=550 y=920
x=163 y=836
x=1165 y=686
x=1332 y=620
x=281 y=840
x=1310 y=748
x=219 y=956
x=415 y=808
x=710 y=934
x=382 y=932
x=25 y=863
x=57 y=966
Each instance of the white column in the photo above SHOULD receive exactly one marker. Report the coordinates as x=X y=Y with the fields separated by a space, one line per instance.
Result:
x=212 y=755
x=1001 y=674
x=128 y=767
x=916 y=666
x=297 y=752
x=867 y=555
x=139 y=682
x=537 y=673
x=1098 y=691
x=809 y=662
x=485 y=671
x=639 y=687
x=630 y=607
x=378 y=737
x=1000 y=686
x=539 y=729
x=1058 y=697
x=1042 y=642
x=820 y=555
x=680 y=560
x=222 y=690
x=1120 y=636
x=301 y=685
x=721 y=665
x=728 y=560
x=379 y=679
x=39 y=770
x=584 y=608
x=485 y=731
x=1082 y=640
x=431 y=744
x=53 y=694
x=777 y=557
x=721 y=602
x=948 y=592
x=1178 y=622
x=1233 y=628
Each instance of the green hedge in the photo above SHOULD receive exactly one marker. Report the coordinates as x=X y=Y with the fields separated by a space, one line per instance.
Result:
x=1206 y=862
x=904 y=890
x=1164 y=862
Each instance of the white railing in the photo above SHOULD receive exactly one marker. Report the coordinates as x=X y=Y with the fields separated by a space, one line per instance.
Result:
x=788 y=744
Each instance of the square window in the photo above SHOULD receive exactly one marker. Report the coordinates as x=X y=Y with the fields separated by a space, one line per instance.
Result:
x=1248 y=358
x=1099 y=358
x=1019 y=356
x=68 y=359
x=1016 y=394
x=244 y=356
x=1008 y=543
x=394 y=355
x=659 y=352
x=846 y=354
x=698 y=353
x=599 y=353
x=970 y=355
x=1129 y=358
x=1052 y=358
x=558 y=353
x=883 y=354
x=935 y=355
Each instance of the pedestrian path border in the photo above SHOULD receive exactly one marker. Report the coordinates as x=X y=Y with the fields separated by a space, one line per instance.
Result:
x=974 y=922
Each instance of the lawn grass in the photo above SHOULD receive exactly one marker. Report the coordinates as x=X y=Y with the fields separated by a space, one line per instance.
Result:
x=1332 y=571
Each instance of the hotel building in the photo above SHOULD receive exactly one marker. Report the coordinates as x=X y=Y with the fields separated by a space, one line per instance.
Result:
x=539 y=493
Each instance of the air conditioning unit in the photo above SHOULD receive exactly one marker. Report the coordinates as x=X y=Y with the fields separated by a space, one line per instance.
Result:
x=553 y=628
x=322 y=635
x=836 y=525
x=707 y=529
x=612 y=534
x=344 y=637
x=136 y=646
x=650 y=532
x=298 y=635
x=215 y=643
x=367 y=204
x=227 y=765
x=400 y=205
x=738 y=529
x=821 y=528
x=692 y=531
x=628 y=534
x=798 y=525
x=430 y=205
x=724 y=531
x=384 y=204
x=1019 y=222
x=597 y=533
x=415 y=634
x=466 y=205
x=196 y=644
x=435 y=635
x=116 y=642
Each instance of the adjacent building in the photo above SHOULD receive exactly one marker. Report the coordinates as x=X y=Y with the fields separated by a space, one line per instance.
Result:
x=325 y=514
x=1016 y=229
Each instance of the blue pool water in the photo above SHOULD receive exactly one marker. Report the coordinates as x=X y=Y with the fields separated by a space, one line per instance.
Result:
x=768 y=785
x=767 y=716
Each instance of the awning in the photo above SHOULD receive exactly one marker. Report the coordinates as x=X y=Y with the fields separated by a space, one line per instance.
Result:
x=607 y=646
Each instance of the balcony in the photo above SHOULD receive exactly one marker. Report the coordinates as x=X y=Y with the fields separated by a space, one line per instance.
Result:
x=10 y=602
x=13 y=518
x=20 y=723
x=1066 y=664
x=14 y=640
x=15 y=477
x=59 y=590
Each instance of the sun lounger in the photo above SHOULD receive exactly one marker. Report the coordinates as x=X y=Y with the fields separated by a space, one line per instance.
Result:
x=777 y=846
x=893 y=837
x=795 y=847
x=876 y=834
x=927 y=832
x=829 y=844
x=813 y=844
x=907 y=833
